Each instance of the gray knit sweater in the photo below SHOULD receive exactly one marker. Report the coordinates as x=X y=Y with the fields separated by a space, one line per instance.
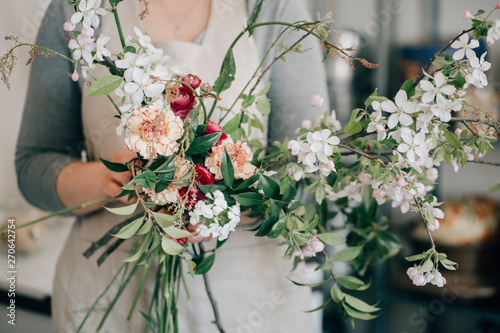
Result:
x=51 y=134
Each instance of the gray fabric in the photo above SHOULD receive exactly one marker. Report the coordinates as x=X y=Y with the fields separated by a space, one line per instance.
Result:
x=51 y=134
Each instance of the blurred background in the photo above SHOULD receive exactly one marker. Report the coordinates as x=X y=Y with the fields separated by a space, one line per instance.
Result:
x=400 y=34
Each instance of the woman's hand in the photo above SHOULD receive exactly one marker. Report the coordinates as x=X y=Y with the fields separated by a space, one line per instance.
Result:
x=113 y=181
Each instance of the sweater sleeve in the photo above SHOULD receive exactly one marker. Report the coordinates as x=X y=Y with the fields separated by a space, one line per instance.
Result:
x=51 y=133
x=294 y=81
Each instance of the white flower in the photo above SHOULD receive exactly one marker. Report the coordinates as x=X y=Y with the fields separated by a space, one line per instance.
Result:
x=89 y=11
x=321 y=146
x=142 y=85
x=436 y=89
x=144 y=40
x=380 y=129
x=101 y=50
x=443 y=108
x=493 y=33
x=464 y=47
x=479 y=66
x=130 y=62
x=412 y=272
x=82 y=49
x=294 y=146
x=377 y=115
x=432 y=174
x=400 y=111
x=69 y=26
x=419 y=280
x=414 y=145
x=295 y=172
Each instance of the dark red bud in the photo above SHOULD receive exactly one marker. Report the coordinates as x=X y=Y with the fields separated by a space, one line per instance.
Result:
x=193 y=80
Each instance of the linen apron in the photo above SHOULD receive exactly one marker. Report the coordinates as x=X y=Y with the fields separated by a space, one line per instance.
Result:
x=249 y=278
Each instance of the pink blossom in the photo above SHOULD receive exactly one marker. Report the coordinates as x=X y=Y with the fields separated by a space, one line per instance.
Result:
x=419 y=280
x=432 y=174
x=412 y=272
x=317 y=101
x=497 y=6
x=74 y=76
x=365 y=178
x=467 y=15
x=69 y=26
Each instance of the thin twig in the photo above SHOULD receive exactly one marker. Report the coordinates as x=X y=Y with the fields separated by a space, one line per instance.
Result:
x=485 y=162
x=437 y=55
x=216 y=321
x=464 y=121
x=424 y=221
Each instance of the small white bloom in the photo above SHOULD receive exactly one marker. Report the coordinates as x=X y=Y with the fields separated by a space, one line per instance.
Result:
x=317 y=101
x=321 y=145
x=464 y=47
x=380 y=129
x=493 y=33
x=400 y=110
x=436 y=88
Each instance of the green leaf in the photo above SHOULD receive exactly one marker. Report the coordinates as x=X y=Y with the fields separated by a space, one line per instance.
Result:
x=127 y=210
x=416 y=257
x=289 y=194
x=389 y=143
x=253 y=18
x=450 y=265
x=409 y=88
x=164 y=220
x=206 y=264
x=347 y=254
x=248 y=199
x=427 y=266
x=177 y=233
x=192 y=267
x=358 y=314
x=105 y=85
x=321 y=306
x=211 y=188
x=145 y=227
x=325 y=265
x=278 y=228
x=336 y=293
x=247 y=182
x=331 y=238
x=232 y=125
x=226 y=76
x=129 y=49
x=227 y=169
x=145 y=179
x=270 y=187
x=353 y=126
x=130 y=229
x=256 y=123
x=493 y=188
x=312 y=285
x=373 y=97
x=359 y=305
x=116 y=167
x=350 y=282
x=441 y=62
x=293 y=205
x=263 y=106
x=203 y=143
x=170 y=246
x=267 y=225
x=452 y=138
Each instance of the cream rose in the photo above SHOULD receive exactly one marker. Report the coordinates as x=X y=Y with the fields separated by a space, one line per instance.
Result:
x=154 y=132
x=240 y=155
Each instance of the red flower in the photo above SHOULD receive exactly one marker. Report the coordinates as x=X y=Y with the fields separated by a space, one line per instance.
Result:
x=213 y=127
x=203 y=177
x=183 y=102
x=192 y=80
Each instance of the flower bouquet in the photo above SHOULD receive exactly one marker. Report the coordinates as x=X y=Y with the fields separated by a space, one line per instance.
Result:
x=193 y=176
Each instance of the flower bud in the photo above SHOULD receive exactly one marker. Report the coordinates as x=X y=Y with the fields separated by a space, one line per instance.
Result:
x=193 y=80
x=206 y=88
x=69 y=26
x=467 y=15
x=497 y=6
x=74 y=76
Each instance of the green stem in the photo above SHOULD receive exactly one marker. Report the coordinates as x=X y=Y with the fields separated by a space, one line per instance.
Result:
x=255 y=73
x=118 y=25
x=89 y=312
x=60 y=212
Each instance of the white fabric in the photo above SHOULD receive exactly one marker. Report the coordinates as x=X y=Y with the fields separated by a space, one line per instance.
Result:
x=248 y=277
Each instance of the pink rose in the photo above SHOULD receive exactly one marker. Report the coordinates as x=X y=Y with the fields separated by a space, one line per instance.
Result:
x=192 y=80
x=183 y=102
